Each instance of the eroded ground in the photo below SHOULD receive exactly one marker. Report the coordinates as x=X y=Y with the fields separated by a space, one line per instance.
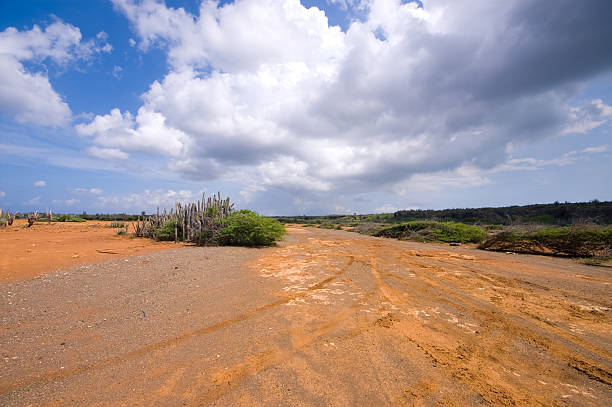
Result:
x=43 y=247
x=327 y=318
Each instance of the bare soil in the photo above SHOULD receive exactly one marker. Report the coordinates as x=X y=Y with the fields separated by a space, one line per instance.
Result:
x=29 y=252
x=328 y=318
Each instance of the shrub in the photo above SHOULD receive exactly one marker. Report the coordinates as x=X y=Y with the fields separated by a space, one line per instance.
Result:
x=576 y=241
x=68 y=218
x=430 y=231
x=166 y=232
x=246 y=228
x=207 y=237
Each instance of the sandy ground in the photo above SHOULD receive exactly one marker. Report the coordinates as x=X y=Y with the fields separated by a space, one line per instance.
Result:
x=328 y=318
x=29 y=252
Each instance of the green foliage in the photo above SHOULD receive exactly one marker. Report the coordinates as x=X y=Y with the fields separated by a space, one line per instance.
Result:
x=593 y=262
x=212 y=211
x=561 y=214
x=575 y=241
x=207 y=237
x=430 y=231
x=68 y=218
x=246 y=228
x=166 y=232
x=115 y=224
x=543 y=219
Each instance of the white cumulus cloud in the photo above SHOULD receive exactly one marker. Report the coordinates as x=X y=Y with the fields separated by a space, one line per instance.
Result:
x=27 y=95
x=406 y=97
x=40 y=184
x=33 y=201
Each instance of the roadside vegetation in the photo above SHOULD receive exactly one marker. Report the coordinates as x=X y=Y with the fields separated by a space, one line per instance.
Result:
x=65 y=218
x=211 y=221
x=580 y=230
x=431 y=231
x=573 y=241
x=246 y=228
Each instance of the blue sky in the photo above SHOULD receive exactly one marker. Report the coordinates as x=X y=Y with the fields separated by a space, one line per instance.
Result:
x=304 y=108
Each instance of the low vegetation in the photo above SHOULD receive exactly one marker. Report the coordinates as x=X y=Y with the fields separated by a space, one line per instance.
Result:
x=210 y=222
x=574 y=241
x=431 y=231
x=246 y=228
x=68 y=218
x=553 y=229
x=560 y=214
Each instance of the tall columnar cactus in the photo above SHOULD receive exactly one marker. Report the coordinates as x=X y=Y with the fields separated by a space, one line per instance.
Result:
x=194 y=222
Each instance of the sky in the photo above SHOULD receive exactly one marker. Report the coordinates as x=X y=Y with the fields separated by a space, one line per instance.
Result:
x=304 y=108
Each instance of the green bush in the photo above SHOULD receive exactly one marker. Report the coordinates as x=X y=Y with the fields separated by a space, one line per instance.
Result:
x=430 y=231
x=246 y=228
x=68 y=218
x=207 y=237
x=166 y=232
x=575 y=241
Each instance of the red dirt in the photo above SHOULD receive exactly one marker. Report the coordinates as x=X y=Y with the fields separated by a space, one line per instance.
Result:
x=328 y=318
x=30 y=252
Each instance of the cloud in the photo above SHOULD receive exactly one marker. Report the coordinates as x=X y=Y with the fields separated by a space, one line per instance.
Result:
x=149 y=199
x=386 y=209
x=465 y=176
x=94 y=191
x=598 y=149
x=533 y=164
x=28 y=96
x=117 y=72
x=2 y=194
x=33 y=201
x=40 y=184
x=408 y=96
x=67 y=202
x=107 y=153
x=249 y=191
x=146 y=133
x=583 y=119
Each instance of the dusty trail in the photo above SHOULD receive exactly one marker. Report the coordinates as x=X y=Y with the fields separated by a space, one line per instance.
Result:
x=327 y=318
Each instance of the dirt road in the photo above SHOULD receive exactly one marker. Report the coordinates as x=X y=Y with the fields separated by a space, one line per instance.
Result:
x=329 y=318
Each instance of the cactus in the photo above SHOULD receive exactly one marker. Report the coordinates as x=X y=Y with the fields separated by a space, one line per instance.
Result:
x=32 y=218
x=192 y=220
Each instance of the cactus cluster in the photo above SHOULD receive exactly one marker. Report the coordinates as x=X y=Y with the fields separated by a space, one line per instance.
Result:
x=194 y=222
x=6 y=218
x=32 y=218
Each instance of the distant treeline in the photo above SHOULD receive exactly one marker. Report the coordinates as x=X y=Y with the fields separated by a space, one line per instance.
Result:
x=550 y=214
x=557 y=213
x=100 y=216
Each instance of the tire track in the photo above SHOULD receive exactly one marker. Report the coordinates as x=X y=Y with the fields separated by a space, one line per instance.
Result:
x=115 y=360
